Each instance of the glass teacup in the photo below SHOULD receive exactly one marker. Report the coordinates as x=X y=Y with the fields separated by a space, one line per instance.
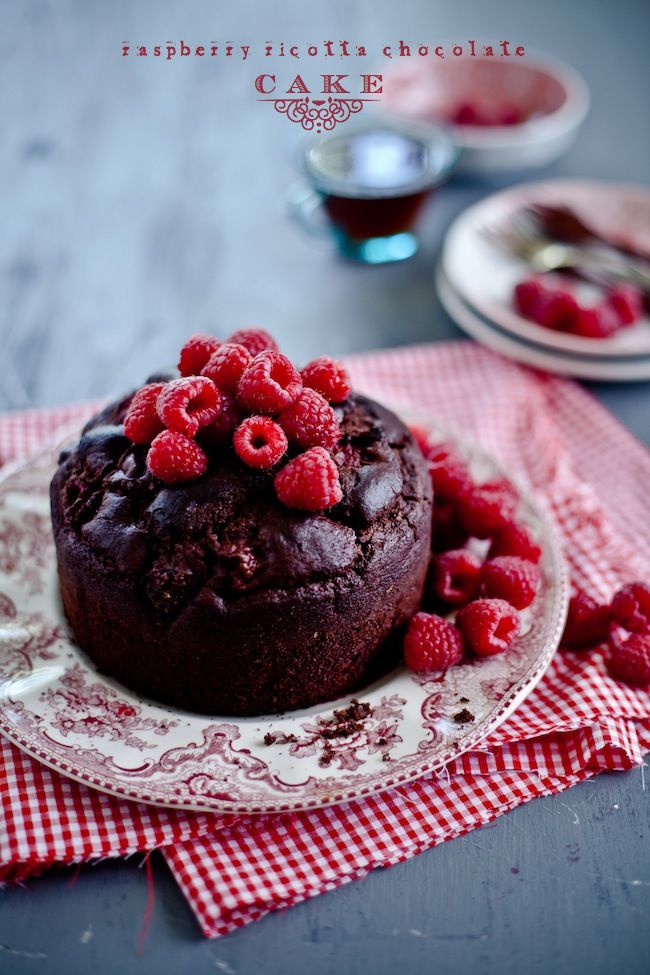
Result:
x=370 y=182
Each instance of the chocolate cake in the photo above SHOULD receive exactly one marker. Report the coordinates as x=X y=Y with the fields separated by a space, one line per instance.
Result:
x=213 y=596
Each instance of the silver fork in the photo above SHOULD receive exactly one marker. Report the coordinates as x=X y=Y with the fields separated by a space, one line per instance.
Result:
x=522 y=237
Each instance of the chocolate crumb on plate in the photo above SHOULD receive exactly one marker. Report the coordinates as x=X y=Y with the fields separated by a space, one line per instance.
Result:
x=346 y=721
x=278 y=738
x=463 y=717
x=355 y=711
x=326 y=756
x=343 y=730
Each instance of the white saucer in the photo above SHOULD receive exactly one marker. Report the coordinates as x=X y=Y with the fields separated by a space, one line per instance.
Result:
x=489 y=333
x=482 y=278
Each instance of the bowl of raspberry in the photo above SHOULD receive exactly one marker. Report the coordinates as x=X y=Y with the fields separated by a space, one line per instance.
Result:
x=507 y=113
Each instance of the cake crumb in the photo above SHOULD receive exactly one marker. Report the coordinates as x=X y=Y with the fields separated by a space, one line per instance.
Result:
x=342 y=730
x=278 y=738
x=326 y=756
x=463 y=717
x=355 y=711
x=346 y=721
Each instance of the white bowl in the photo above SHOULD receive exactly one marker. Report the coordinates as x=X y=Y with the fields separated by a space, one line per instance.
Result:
x=552 y=96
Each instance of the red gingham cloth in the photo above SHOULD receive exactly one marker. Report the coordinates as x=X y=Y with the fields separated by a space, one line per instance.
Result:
x=559 y=443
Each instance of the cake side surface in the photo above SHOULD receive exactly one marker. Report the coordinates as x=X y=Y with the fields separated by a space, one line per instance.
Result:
x=213 y=596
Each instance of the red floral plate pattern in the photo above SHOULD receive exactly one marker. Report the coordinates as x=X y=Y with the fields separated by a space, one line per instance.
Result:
x=56 y=706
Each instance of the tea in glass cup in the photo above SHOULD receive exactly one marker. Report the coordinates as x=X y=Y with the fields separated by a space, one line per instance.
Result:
x=371 y=182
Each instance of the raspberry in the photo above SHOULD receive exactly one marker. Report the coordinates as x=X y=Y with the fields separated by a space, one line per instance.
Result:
x=448 y=472
x=456 y=576
x=509 y=115
x=467 y=114
x=432 y=643
x=255 y=340
x=558 y=310
x=515 y=540
x=260 y=441
x=142 y=423
x=311 y=421
x=511 y=578
x=173 y=458
x=488 y=625
x=631 y=607
x=447 y=531
x=186 y=404
x=225 y=367
x=224 y=424
x=528 y=296
x=328 y=377
x=587 y=623
x=630 y=660
x=486 y=509
x=627 y=302
x=596 y=323
x=195 y=353
x=309 y=482
x=270 y=384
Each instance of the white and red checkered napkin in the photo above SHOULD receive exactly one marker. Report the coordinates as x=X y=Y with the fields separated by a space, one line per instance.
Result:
x=591 y=474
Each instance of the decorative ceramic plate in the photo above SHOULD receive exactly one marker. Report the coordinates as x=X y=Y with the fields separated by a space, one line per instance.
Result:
x=56 y=706
x=483 y=277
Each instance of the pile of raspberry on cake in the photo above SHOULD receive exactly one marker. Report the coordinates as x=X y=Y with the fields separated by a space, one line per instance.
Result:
x=487 y=593
x=244 y=538
x=246 y=393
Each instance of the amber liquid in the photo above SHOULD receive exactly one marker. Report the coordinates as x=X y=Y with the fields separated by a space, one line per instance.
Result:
x=380 y=217
x=378 y=177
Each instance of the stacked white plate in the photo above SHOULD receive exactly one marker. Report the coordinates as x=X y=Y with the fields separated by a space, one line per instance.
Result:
x=475 y=281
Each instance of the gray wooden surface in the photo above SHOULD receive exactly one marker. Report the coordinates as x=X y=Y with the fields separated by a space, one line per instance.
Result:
x=141 y=200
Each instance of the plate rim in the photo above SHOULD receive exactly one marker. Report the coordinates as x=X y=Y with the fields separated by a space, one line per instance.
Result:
x=505 y=343
x=515 y=696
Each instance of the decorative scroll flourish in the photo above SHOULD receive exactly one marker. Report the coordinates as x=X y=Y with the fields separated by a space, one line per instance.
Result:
x=318 y=115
